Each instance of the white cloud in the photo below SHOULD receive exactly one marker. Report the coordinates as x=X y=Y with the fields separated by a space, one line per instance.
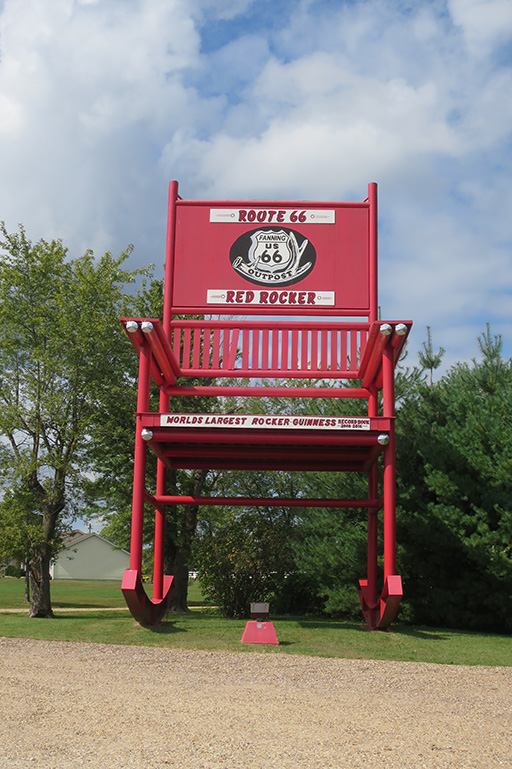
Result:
x=103 y=101
x=484 y=23
x=91 y=92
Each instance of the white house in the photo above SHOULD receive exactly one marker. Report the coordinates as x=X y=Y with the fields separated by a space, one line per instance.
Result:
x=89 y=556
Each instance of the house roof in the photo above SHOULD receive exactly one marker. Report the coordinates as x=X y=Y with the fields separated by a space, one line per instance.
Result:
x=76 y=536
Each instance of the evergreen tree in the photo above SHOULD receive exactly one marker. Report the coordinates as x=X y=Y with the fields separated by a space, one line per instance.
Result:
x=430 y=360
x=454 y=452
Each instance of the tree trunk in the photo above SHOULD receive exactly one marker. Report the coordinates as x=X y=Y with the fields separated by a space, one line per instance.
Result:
x=51 y=503
x=180 y=566
x=179 y=600
x=40 y=583
x=181 y=561
x=27 y=582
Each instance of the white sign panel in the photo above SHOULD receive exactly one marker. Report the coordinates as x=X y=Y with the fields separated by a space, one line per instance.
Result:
x=269 y=297
x=273 y=216
x=264 y=421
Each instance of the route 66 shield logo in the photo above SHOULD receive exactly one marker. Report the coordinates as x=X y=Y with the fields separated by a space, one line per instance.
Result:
x=270 y=252
x=270 y=256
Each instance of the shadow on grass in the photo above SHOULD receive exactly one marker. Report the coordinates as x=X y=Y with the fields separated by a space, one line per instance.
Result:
x=318 y=623
x=74 y=605
x=200 y=605
x=86 y=616
x=166 y=628
x=418 y=632
x=328 y=624
x=196 y=614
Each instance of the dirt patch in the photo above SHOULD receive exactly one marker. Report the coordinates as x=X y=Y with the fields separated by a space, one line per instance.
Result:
x=67 y=705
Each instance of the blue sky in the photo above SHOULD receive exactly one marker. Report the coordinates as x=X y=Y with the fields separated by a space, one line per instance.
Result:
x=102 y=102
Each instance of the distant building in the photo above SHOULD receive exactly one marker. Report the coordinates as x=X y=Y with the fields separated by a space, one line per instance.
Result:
x=89 y=556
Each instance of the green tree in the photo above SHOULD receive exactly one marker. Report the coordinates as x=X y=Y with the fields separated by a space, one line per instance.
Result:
x=244 y=556
x=323 y=549
x=60 y=337
x=110 y=490
x=454 y=479
x=20 y=533
x=329 y=544
x=430 y=360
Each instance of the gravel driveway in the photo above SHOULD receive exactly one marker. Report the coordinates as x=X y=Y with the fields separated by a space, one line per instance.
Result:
x=67 y=705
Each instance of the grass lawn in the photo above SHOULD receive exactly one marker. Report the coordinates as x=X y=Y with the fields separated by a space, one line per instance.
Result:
x=204 y=628
x=80 y=594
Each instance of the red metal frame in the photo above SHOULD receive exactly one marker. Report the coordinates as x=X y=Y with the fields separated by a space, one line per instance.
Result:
x=318 y=347
x=345 y=250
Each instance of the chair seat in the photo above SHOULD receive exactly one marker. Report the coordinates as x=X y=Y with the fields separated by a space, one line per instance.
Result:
x=266 y=442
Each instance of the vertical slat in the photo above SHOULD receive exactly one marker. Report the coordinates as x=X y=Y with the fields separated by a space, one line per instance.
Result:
x=207 y=333
x=216 y=348
x=284 y=350
x=334 y=351
x=295 y=350
x=196 y=348
x=362 y=346
x=226 y=333
x=233 y=348
x=324 y=350
x=274 y=363
x=175 y=343
x=177 y=347
x=353 y=350
x=343 y=350
x=265 y=333
x=246 y=335
x=314 y=350
x=256 y=348
x=186 y=348
x=304 y=351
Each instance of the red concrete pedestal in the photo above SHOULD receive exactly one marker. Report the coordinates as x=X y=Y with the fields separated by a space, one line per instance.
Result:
x=259 y=633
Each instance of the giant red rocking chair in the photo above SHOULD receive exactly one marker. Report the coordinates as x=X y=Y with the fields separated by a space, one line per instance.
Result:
x=303 y=272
